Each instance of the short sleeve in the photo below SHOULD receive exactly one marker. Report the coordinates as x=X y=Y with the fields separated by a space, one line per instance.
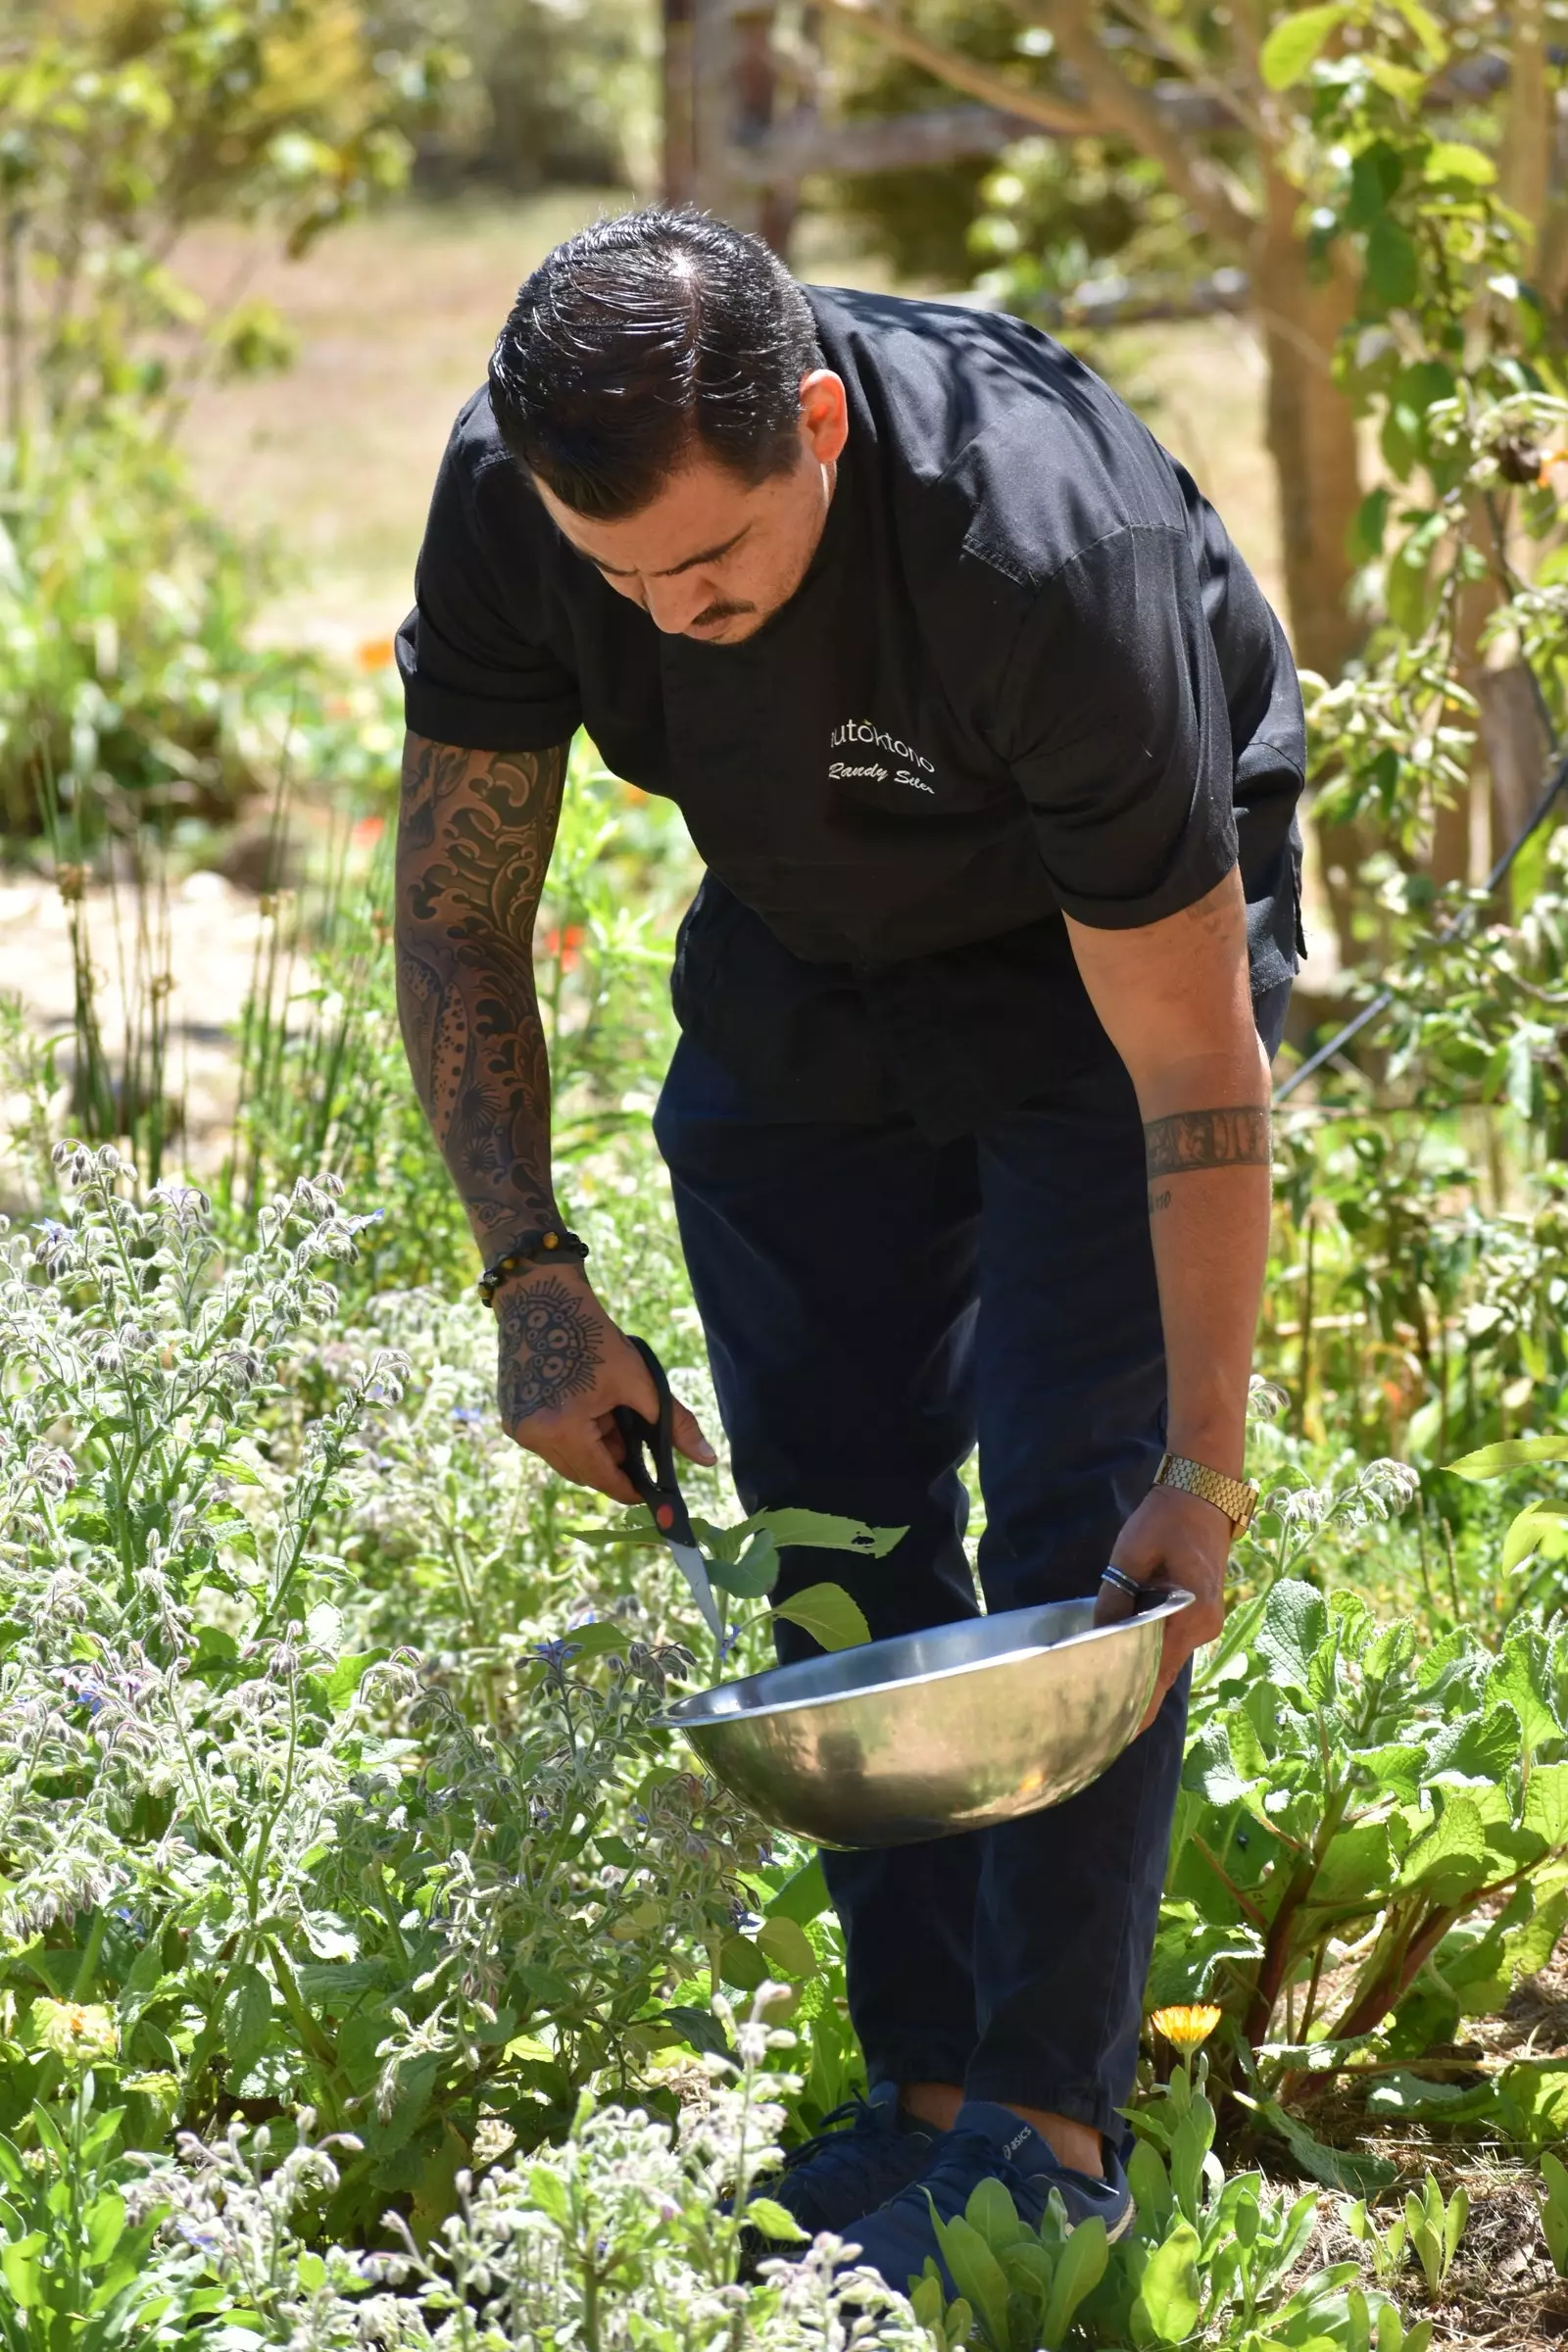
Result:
x=1113 y=719
x=476 y=669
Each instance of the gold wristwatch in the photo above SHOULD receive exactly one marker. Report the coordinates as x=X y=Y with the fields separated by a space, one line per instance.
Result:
x=1237 y=1498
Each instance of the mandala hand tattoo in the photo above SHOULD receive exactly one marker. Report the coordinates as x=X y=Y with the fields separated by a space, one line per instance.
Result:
x=1235 y=1137
x=550 y=1348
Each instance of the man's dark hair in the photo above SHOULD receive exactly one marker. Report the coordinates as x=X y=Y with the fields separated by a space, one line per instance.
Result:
x=644 y=342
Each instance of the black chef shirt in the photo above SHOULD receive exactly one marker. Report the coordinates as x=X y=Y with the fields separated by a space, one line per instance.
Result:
x=1025 y=672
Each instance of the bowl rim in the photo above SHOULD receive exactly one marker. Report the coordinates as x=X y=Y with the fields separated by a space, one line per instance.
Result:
x=1168 y=1605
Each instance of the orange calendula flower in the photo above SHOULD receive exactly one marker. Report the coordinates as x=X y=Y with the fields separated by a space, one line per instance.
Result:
x=1187 y=2026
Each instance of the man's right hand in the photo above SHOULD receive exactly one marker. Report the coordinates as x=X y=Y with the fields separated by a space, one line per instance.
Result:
x=562 y=1367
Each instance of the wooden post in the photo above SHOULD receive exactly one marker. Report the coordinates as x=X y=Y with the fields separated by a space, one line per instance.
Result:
x=679 y=69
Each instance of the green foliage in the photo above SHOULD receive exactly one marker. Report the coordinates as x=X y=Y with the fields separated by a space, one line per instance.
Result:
x=122 y=603
x=1347 y=1787
x=1435 y=2228
x=1209 y=2255
x=1554 y=2211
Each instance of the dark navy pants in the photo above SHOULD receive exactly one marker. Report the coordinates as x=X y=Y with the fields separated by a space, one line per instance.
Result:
x=873 y=1305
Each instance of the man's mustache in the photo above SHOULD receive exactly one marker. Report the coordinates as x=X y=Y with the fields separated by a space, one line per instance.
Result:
x=719 y=611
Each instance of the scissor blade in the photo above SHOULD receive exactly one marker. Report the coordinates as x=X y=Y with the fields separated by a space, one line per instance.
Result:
x=693 y=1568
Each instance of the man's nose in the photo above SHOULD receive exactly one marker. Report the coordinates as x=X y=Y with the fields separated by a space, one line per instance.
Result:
x=673 y=604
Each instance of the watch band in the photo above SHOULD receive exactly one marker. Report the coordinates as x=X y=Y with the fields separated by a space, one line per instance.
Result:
x=530 y=1249
x=1237 y=1498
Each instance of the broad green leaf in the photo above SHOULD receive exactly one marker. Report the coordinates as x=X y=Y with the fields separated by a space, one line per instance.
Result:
x=105 y=2220
x=825 y=1531
x=1455 y=158
x=1356 y=1865
x=19 y=2267
x=1170 y=2293
x=975 y=2272
x=787 y=1947
x=1510 y=1454
x=343 y=1683
x=1546 y=1804
x=1528 y=1530
x=1478 y=1747
x=1455 y=1857
x=1522 y=1677
x=547 y=2193
x=775 y=2221
x=804 y=1895
x=755 y=1573
x=1297 y=41
x=828 y=1615
x=247 y=2017
x=1427 y=31
x=1080 y=2267
x=1392 y=265
x=992 y=2211
x=741 y=1964
x=1349 y=2171
x=597 y=1640
x=1295 y=1623
x=1529 y=1948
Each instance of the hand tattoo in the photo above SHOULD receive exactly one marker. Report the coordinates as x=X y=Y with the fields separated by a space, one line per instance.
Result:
x=1237 y=1138
x=550 y=1348
x=474 y=836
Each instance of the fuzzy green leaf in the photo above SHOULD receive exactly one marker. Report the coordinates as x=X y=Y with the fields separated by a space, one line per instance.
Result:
x=1294 y=1626
x=247 y=2017
x=775 y=2221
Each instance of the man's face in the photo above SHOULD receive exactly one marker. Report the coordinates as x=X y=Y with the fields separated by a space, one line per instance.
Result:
x=713 y=557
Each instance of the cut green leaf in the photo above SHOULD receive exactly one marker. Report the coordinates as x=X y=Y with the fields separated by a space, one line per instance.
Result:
x=828 y=1614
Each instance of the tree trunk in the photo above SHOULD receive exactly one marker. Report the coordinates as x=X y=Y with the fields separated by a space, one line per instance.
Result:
x=1312 y=440
x=1312 y=433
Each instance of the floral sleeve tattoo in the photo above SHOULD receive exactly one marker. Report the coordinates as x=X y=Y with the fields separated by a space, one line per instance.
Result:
x=474 y=836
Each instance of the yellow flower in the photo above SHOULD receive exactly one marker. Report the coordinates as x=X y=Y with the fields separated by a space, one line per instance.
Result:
x=1187 y=2026
x=79 y=2031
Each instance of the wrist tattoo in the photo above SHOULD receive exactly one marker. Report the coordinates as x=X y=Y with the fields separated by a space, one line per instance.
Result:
x=1234 y=1138
x=549 y=1349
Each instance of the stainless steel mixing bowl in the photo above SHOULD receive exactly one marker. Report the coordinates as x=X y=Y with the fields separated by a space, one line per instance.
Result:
x=933 y=1733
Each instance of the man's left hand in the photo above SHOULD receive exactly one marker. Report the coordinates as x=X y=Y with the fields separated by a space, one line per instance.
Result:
x=1172 y=1540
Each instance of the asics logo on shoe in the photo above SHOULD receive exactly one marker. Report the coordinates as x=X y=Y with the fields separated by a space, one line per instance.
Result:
x=1013 y=2145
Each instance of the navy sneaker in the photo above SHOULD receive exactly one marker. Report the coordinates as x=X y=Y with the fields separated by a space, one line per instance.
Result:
x=987 y=2143
x=866 y=2153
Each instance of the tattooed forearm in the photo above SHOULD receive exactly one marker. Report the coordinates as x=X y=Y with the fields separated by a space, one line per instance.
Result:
x=549 y=1348
x=1235 y=1137
x=475 y=836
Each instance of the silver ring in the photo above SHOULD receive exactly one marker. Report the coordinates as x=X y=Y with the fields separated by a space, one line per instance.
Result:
x=1123 y=1584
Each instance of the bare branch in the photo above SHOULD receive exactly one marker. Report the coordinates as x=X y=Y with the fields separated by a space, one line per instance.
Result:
x=962 y=72
x=1182 y=51
x=1214 y=194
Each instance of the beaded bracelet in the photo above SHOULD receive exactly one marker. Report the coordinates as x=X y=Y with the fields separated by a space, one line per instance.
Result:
x=532 y=1249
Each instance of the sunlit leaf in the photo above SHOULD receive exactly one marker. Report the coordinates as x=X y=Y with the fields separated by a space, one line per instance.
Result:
x=1297 y=41
x=828 y=1615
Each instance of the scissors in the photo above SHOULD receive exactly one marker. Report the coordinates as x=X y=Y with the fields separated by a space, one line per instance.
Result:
x=652 y=1443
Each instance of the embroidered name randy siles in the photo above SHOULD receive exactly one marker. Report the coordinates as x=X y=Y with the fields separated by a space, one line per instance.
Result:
x=861 y=730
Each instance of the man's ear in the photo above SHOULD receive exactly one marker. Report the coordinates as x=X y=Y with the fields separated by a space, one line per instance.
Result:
x=824 y=415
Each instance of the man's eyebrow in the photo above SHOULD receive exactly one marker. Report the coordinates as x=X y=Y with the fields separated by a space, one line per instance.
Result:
x=707 y=554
